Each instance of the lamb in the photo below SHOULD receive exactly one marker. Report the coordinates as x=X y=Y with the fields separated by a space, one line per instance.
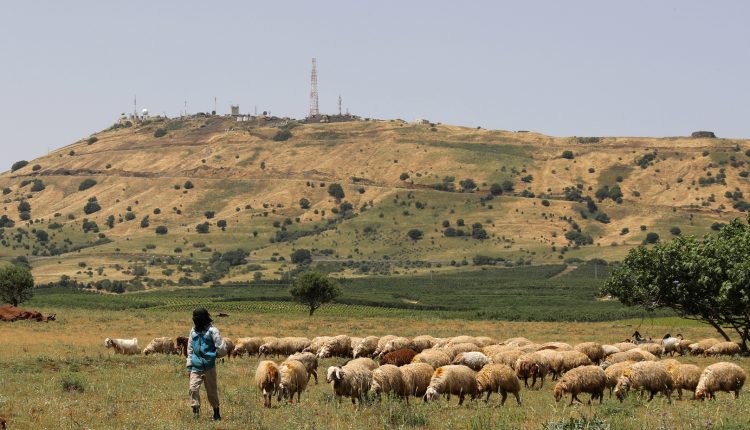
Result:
x=310 y=361
x=721 y=376
x=420 y=343
x=366 y=347
x=387 y=379
x=474 y=360
x=395 y=344
x=653 y=348
x=534 y=364
x=498 y=378
x=352 y=380
x=434 y=357
x=647 y=375
x=507 y=357
x=593 y=350
x=182 y=344
x=123 y=346
x=700 y=347
x=452 y=379
x=723 y=348
x=398 y=358
x=585 y=379
x=338 y=346
x=293 y=380
x=614 y=372
x=685 y=377
x=416 y=378
x=267 y=380
x=160 y=345
x=316 y=344
x=283 y=346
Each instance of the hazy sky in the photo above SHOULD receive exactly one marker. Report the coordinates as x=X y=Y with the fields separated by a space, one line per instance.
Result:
x=634 y=68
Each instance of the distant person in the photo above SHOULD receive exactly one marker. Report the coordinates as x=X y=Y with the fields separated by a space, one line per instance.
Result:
x=205 y=345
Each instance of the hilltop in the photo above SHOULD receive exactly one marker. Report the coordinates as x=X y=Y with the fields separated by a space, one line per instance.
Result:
x=416 y=198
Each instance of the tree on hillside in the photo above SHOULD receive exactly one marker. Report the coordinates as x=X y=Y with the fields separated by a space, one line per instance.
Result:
x=314 y=290
x=301 y=256
x=16 y=284
x=336 y=191
x=706 y=280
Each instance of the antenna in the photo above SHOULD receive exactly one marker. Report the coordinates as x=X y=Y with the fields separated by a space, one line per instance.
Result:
x=339 y=104
x=313 y=91
x=135 y=106
x=186 y=114
x=214 y=104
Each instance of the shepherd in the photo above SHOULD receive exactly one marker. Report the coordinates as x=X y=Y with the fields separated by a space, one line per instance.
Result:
x=205 y=346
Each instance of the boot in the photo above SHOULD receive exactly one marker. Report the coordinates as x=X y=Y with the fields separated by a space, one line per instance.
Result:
x=217 y=415
x=196 y=411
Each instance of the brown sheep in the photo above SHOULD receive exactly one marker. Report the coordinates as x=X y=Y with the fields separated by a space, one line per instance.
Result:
x=310 y=361
x=498 y=378
x=720 y=376
x=593 y=350
x=648 y=375
x=182 y=344
x=614 y=372
x=398 y=358
x=267 y=380
x=452 y=379
x=723 y=348
x=416 y=378
x=387 y=379
x=293 y=379
x=585 y=379
x=685 y=377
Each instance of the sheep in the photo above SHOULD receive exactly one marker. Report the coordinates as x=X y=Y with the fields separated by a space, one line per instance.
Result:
x=382 y=342
x=182 y=344
x=585 y=379
x=249 y=345
x=310 y=361
x=653 y=348
x=482 y=341
x=230 y=348
x=395 y=344
x=517 y=342
x=366 y=347
x=293 y=380
x=352 y=380
x=557 y=346
x=434 y=357
x=353 y=342
x=593 y=350
x=625 y=346
x=387 y=379
x=461 y=339
x=671 y=344
x=316 y=344
x=420 y=343
x=123 y=346
x=648 y=375
x=267 y=380
x=398 y=358
x=685 y=377
x=160 y=345
x=721 y=376
x=366 y=362
x=452 y=379
x=498 y=378
x=495 y=349
x=609 y=350
x=723 y=348
x=474 y=360
x=700 y=347
x=284 y=346
x=507 y=357
x=454 y=349
x=614 y=372
x=573 y=359
x=338 y=346
x=416 y=378
x=631 y=355
x=534 y=364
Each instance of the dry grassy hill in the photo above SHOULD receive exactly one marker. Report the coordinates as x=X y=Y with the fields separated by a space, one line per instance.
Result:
x=254 y=184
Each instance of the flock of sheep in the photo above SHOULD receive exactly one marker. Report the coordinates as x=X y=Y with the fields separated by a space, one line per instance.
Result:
x=427 y=367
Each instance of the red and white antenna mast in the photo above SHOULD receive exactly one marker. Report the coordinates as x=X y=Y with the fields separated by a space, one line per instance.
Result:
x=313 y=91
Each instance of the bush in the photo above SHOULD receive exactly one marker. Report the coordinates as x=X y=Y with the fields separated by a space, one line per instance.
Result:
x=160 y=132
x=301 y=256
x=91 y=207
x=282 y=135
x=41 y=235
x=467 y=184
x=86 y=184
x=36 y=168
x=73 y=384
x=222 y=224
x=676 y=231
x=578 y=237
x=602 y=218
x=651 y=237
x=414 y=234
x=507 y=186
x=304 y=203
x=404 y=176
x=496 y=189
x=37 y=186
x=161 y=229
x=129 y=216
x=202 y=228
x=209 y=214
x=717 y=226
x=624 y=231
x=24 y=206
x=7 y=191
x=188 y=185
x=336 y=191
x=92 y=140
x=568 y=154
x=18 y=165
x=545 y=202
x=145 y=222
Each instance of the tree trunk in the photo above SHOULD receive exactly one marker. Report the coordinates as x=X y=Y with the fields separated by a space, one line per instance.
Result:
x=14 y=302
x=720 y=330
x=312 y=309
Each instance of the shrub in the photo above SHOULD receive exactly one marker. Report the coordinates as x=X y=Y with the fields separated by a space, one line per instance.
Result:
x=496 y=189
x=717 y=226
x=624 y=231
x=36 y=168
x=6 y=222
x=91 y=207
x=301 y=256
x=222 y=224
x=446 y=223
x=188 y=185
x=460 y=222
x=304 y=203
x=86 y=184
x=651 y=237
x=161 y=229
x=282 y=135
x=24 y=206
x=111 y=221
x=404 y=176
x=202 y=228
x=7 y=191
x=24 y=216
x=92 y=140
x=602 y=217
x=578 y=237
x=676 y=231
x=568 y=154
x=18 y=165
x=507 y=186
x=545 y=202
x=145 y=222
x=467 y=184
x=414 y=234
x=41 y=235
x=160 y=132
x=336 y=191
x=209 y=214
x=37 y=186
x=129 y=216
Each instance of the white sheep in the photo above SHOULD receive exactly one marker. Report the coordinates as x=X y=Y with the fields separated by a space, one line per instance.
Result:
x=351 y=380
x=382 y=341
x=366 y=347
x=387 y=379
x=293 y=379
x=701 y=346
x=672 y=344
x=267 y=380
x=284 y=346
x=507 y=357
x=249 y=345
x=160 y=345
x=475 y=360
x=557 y=346
x=123 y=346
x=593 y=350
x=416 y=378
x=498 y=378
x=654 y=348
x=453 y=349
x=433 y=356
x=585 y=379
x=685 y=377
x=394 y=345
x=337 y=346
x=609 y=350
x=310 y=361
x=517 y=342
x=533 y=365
x=648 y=375
x=630 y=355
x=452 y=379
x=721 y=376
x=420 y=343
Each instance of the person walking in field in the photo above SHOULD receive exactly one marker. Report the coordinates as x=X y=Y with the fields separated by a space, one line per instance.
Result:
x=205 y=345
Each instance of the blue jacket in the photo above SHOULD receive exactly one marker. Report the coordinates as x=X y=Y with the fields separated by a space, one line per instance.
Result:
x=204 y=348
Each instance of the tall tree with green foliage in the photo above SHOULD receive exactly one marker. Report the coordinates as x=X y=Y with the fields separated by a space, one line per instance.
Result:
x=314 y=290
x=706 y=279
x=16 y=284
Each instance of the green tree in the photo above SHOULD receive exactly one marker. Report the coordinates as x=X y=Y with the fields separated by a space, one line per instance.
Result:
x=18 y=165
x=16 y=284
x=314 y=290
x=282 y=135
x=414 y=234
x=304 y=203
x=706 y=280
x=301 y=256
x=467 y=184
x=496 y=189
x=86 y=184
x=162 y=229
x=568 y=154
x=336 y=191
x=160 y=132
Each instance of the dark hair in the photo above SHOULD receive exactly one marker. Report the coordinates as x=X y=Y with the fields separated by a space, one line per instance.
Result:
x=201 y=319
